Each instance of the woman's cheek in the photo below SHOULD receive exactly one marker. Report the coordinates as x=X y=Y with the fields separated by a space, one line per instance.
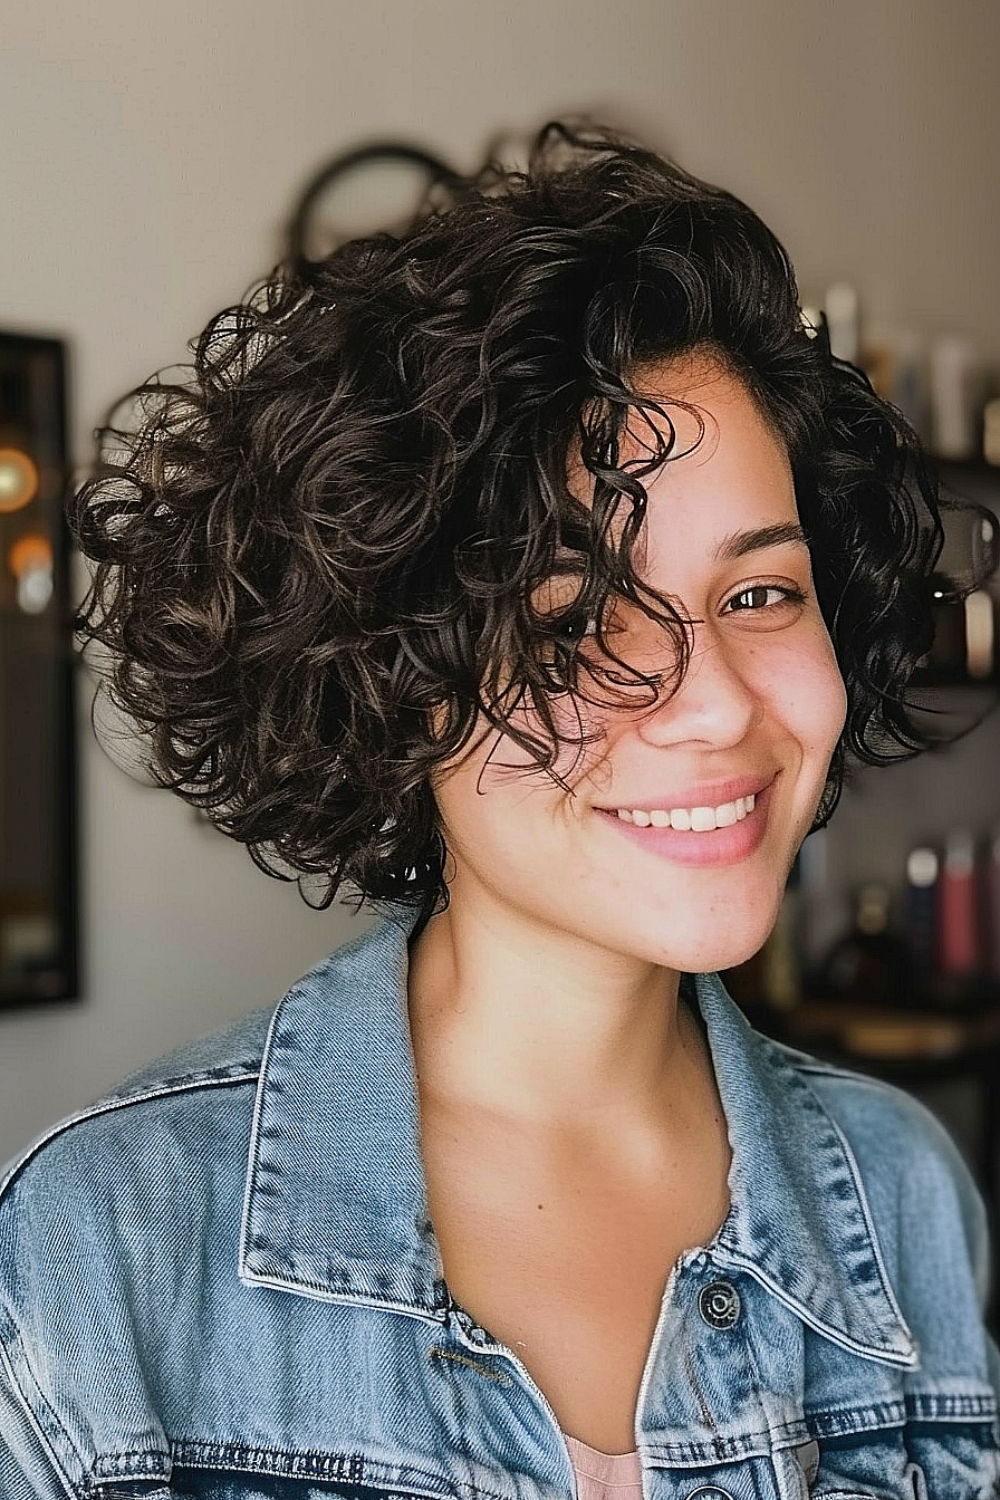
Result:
x=813 y=692
x=836 y=689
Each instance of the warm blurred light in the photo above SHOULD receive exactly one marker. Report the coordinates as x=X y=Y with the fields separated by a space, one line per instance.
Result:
x=30 y=561
x=979 y=634
x=30 y=551
x=18 y=479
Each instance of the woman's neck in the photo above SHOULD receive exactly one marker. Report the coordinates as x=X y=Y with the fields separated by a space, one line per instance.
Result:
x=512 y=1019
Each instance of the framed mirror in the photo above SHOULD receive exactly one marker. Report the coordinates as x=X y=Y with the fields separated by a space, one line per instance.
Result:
x=38 y=877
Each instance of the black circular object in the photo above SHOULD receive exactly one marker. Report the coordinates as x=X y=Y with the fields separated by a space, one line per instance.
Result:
x=433 y=166
x=719 y=1304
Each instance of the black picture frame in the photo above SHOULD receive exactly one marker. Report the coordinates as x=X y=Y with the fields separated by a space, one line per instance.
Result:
x=39 y=909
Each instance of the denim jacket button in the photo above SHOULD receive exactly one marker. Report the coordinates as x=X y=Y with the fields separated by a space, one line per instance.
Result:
x=709 y=1492
x=719 y=1305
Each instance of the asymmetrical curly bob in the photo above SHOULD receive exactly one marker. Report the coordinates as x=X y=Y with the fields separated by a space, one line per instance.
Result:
x=342 y=520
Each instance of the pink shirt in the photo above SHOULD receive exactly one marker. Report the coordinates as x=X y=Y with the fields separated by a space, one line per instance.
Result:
x=605 y=1476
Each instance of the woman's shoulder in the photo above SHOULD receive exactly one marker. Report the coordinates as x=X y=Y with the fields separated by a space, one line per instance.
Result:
x=172 y=1129
x=923 y=1198
x=202 y=1080
x=879 y=1119
x=107 y=1215
x=183 y=1104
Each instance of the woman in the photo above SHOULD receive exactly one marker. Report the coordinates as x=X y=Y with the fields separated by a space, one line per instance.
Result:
x=534 y=574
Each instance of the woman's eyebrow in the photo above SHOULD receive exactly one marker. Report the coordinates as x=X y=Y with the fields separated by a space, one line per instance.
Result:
x=739 y=543
x=736 y=544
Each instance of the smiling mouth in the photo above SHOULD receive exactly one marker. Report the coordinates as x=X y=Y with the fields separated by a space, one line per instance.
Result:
x=699 y=808
x=705 y=840
x=691 y=819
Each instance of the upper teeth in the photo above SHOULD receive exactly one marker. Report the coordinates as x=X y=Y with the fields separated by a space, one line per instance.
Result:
x=696 y=819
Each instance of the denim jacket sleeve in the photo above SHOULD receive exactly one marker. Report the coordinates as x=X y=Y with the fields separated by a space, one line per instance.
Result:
x=934 y=1236
x=29 y=1469
x=86 y=1273
x=26 y=1470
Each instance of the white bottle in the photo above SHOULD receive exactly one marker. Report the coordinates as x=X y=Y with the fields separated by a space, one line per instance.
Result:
x=841 y=308
x=955 y=378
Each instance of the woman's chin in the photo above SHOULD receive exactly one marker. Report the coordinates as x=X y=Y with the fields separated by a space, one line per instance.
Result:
x=718 y=950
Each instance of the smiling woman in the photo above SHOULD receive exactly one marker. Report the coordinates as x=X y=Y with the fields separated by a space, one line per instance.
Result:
x=533 y=574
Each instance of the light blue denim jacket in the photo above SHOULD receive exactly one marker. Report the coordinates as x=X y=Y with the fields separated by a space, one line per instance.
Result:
x=221 y=1282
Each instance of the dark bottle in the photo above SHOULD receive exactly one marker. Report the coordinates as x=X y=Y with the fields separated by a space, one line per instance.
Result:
x=869 y=965
x=920 y=917
x=946 y=662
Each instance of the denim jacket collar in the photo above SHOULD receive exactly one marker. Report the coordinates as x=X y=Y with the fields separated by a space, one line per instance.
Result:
x=336 y=1207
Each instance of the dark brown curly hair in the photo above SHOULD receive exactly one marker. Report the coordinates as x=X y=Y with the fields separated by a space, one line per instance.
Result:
x=318 y=558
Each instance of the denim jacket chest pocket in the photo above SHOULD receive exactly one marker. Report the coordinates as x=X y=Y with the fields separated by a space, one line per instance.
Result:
x=752 y=1399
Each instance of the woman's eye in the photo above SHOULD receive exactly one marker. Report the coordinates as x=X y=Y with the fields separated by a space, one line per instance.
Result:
x=765 y=596
x=577 y=627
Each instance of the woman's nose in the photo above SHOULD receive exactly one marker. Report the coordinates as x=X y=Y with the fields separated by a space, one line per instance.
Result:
x=716 y=701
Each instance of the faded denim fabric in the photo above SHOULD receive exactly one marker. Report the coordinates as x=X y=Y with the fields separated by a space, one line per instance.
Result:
x=221 y=1283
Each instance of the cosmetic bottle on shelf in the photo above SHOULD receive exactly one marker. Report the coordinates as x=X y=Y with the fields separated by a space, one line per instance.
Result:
x=956 y=394
x=989 y=907
x=958 y=960
x=781 y=964
x=920 y=902
x=991 y=431
x=909 y=380
x=869 y=964
x=843 y=320
x=769 y=983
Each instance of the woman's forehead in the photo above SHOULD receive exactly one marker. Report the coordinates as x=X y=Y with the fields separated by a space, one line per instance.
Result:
x=679 y=403
x=724 y=474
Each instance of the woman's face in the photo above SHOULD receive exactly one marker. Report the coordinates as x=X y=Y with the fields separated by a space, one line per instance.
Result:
x=759 y=711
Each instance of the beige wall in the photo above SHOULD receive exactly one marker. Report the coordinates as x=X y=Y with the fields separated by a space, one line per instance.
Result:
x=150 y=153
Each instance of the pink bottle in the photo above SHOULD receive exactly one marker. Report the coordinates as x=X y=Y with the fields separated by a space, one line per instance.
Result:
x=990 y=905
x=958 y=926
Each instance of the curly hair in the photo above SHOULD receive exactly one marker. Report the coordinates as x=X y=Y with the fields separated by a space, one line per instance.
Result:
x=318 y=556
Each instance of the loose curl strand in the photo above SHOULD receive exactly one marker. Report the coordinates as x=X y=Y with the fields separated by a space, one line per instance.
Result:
x=317 y=557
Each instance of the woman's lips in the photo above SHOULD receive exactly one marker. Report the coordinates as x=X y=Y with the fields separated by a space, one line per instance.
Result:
x=717 y=846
